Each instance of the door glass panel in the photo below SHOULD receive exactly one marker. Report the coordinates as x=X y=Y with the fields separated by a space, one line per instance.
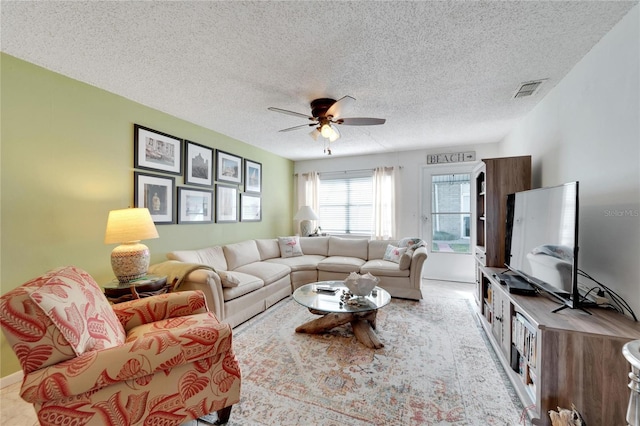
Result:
x=451 y=213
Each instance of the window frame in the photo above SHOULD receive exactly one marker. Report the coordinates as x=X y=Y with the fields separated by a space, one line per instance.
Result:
x=351 y=218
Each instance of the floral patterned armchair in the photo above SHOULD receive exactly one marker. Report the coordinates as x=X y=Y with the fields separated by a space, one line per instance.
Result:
x=160 y=360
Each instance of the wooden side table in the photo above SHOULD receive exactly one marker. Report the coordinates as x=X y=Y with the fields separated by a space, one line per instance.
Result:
x=150 y=285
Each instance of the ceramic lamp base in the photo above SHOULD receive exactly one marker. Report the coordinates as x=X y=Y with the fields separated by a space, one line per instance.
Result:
x=305 y=228
x=130 y=261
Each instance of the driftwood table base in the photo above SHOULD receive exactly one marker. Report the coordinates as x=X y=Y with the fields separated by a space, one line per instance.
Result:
x=362 y=323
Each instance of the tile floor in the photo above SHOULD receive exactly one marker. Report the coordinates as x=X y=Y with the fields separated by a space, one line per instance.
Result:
x=15 y=411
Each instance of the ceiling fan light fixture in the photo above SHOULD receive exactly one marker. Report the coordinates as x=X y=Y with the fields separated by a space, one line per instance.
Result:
x=326 y=130
x=334 y=134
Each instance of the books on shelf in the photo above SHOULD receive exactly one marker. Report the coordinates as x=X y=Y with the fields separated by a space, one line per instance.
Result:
x=524 y=339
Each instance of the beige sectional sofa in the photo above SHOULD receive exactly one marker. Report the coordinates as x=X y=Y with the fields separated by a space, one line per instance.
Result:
x=240 y=280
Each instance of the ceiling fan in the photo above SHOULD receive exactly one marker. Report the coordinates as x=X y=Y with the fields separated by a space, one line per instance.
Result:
x=325 y=114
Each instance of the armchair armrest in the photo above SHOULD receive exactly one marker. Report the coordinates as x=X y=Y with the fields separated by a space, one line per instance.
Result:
x=196 y=277
x=417 y=262
x=148 y=349
x=155 y=308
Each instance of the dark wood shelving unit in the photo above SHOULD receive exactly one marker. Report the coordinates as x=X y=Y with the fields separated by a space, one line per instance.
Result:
x=495 y=178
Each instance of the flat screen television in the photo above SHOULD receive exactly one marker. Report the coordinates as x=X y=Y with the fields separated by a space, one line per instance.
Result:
x=542 y=240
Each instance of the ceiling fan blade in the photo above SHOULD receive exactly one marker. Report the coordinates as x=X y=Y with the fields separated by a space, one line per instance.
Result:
x=315 y=134
x=360 y=121
x=286 y=111
x=297 y=127
x=336 y=109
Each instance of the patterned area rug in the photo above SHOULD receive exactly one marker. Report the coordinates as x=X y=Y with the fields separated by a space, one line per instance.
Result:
x=435 y=369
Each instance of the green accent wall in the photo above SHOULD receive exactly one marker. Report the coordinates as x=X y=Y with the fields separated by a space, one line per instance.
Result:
x=66 y=156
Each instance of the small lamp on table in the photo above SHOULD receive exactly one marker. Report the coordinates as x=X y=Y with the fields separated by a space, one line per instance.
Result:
x=305 y=215
x=130 y=260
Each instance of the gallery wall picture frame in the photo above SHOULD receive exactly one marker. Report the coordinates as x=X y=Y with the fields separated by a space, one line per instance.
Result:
x=252 y=176
x=195 y=205
x=157 y=194
x=226 y=203
x=250 y=208
x=198 y=164
x=156 y=151
x=228 y=167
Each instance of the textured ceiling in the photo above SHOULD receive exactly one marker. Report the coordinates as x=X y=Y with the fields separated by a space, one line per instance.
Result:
x=441 y=73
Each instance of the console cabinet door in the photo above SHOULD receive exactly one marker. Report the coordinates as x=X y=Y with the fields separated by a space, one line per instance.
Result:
x=501 y=327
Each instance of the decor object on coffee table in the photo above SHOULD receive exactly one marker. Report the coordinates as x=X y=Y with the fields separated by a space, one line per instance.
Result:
x=305 y=215
x=130 y=260
x=160 y=360
x=361 y=285
x=326 y=298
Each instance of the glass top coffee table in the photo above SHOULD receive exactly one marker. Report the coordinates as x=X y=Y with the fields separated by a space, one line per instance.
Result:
x=328 y=298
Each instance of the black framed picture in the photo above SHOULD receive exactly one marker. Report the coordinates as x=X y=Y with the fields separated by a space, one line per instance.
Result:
x=195 y=205
x=156 y=151
x=228 y=167
x=198 y=164
x=157 y=194
x=252 y=176
x=250 y=208
x=226 y=203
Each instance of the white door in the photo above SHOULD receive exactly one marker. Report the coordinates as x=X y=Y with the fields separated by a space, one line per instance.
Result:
x=446 y=222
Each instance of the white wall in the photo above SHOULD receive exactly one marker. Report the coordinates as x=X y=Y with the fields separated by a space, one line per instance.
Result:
x=588 y=129
x=409 y=199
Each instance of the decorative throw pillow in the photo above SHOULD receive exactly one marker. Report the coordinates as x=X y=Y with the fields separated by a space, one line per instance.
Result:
x=76 y=305
x=289 y=246
x=405 y=260
x=229 y=279
x=393 y=253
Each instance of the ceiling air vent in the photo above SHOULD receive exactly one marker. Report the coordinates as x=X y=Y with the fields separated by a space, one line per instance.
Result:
x=528 y=88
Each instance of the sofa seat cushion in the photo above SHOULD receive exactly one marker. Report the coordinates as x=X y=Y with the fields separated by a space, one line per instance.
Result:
x=306 y=262
x=385 y=268
x=230 y=293
x=341 y=264
x=268 y=272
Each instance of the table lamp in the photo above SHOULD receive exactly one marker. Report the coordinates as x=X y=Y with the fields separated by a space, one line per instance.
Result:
x=305 y=215
x=130 y=260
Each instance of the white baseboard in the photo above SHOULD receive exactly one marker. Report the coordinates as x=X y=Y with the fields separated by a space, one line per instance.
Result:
x=11 y=379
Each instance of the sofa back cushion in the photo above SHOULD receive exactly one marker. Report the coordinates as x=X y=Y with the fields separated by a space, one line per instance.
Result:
x=268 y=248
x=349 y=247
x=240 y=254
x=315 y=245
x=377 y=248
x=210 y=256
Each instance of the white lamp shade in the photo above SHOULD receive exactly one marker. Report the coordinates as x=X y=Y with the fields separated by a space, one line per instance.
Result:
x=306 y=213
x=130 y=260
x=127 y=225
